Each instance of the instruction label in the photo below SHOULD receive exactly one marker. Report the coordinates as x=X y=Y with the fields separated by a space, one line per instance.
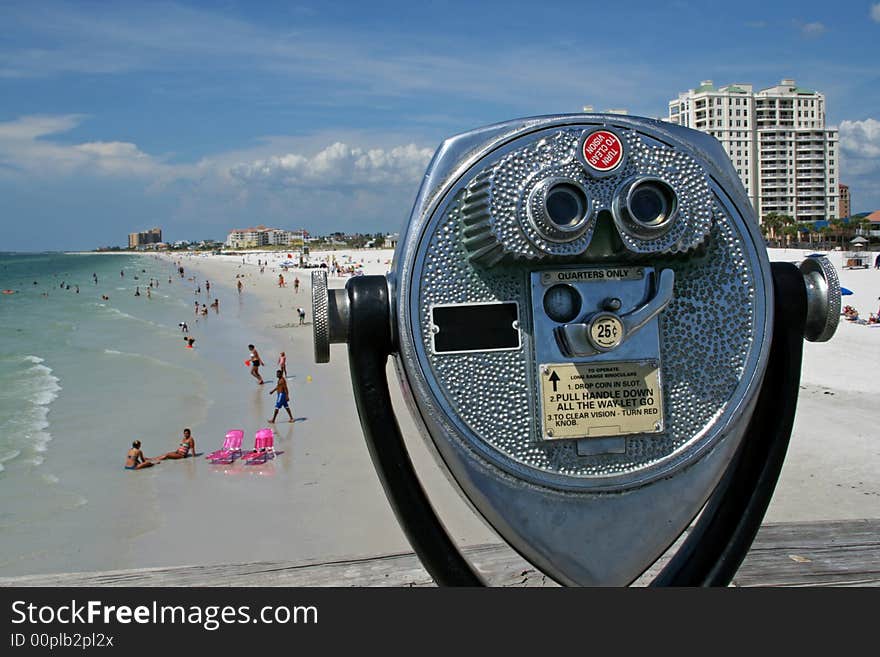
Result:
x=593 y=275
x=580 y=400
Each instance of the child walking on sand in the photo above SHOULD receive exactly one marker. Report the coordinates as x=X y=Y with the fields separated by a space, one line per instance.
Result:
x=282 y=364
x=282 y=399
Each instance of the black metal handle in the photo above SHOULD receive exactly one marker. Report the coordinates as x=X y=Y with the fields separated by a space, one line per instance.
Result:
x=721 y=538
x=369 y=345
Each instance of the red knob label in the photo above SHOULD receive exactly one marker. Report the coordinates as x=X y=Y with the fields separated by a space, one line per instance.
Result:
x=603 y=150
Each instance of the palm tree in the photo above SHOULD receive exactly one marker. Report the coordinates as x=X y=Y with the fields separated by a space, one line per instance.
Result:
x=771 y=224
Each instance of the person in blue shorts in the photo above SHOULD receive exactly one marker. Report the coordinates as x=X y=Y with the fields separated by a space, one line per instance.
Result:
x=281 y=401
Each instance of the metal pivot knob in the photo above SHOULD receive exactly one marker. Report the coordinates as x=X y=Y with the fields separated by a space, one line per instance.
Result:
x=330 y=316
x=823 y=298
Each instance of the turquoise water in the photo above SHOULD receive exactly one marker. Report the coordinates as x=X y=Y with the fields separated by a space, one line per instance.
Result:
x=80 y=378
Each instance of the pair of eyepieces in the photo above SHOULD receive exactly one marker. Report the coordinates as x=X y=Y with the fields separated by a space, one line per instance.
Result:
x=561 y=208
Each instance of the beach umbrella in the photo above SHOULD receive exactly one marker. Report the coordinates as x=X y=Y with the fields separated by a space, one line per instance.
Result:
x=858 y=239
x=845 y=292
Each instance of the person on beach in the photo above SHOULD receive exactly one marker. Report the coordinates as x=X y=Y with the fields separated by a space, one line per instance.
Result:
x=208 y=288
x=189 y=341
x=296 y=285
x=239 y=286
x=183 y=327
x=302 y=316
x=282 y=399
x=280 y=280
x=135 y=459
x=255 y=364
x=137 y=291
x=183 y=449
x=216 y=305
x=282 y=364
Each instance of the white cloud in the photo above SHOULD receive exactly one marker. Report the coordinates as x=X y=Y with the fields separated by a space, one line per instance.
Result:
x=338 y=165
x=875 y=12
x=25 y=146
x=813 y=29
x=860 y=138
x=31 y=127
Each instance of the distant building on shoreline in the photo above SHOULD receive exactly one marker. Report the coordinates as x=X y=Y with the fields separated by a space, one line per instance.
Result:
x=152 y=236
x=845 y=207
x=777 y=140
x=242 y=238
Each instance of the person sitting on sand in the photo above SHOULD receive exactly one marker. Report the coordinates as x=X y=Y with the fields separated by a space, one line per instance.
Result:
x=135 y=459
x=281 y=400
x=183 y=449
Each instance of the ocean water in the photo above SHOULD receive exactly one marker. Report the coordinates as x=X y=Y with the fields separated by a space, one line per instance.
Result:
x=80 y=378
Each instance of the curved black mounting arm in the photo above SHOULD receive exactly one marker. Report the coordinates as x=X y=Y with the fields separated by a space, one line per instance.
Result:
x=719 y=541
x=369 y=345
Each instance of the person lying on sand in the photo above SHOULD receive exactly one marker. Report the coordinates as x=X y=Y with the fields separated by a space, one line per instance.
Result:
x=183 y=450
x=135 y=459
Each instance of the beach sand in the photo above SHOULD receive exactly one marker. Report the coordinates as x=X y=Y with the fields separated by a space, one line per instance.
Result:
x=321 y=498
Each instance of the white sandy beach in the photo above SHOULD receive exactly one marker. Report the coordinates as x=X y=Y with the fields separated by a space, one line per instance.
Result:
x=321 y=498
x=831 y=471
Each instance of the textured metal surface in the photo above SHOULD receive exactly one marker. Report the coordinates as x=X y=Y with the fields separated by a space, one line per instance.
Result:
x=580 y=516
x=496 y=214
x=706 y=334
x=823 y=298
x=320 y=317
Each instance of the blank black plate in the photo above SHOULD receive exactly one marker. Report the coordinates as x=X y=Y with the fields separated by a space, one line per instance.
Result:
x=476 y=327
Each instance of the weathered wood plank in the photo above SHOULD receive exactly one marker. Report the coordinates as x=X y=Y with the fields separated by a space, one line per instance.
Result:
x=845 y=553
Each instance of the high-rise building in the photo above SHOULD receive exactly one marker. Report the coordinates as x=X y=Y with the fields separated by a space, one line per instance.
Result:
x=845 y=209
x=152 y=236
x=777 y=140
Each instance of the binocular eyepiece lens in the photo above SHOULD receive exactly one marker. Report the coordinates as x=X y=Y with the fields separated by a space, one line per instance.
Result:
x=651 y=204
x=559 y=209
x=565 y=205
x=648 y=206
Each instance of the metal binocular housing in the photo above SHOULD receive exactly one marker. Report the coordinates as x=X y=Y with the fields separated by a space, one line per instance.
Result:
x=587 y=327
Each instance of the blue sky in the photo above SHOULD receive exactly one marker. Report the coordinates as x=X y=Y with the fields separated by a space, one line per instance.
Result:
x=201 y=117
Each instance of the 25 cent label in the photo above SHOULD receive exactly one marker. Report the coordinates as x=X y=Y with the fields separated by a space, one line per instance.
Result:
x=595 y=400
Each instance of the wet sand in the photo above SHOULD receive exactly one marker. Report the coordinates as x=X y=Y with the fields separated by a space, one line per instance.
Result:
x=321 y=498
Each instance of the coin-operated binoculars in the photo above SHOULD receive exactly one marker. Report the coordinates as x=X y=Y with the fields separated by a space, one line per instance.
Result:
x=586 y=325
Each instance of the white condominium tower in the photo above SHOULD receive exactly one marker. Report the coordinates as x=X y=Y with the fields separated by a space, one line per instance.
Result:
x=777 y=140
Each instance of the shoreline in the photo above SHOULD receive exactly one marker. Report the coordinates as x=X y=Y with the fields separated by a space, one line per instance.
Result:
x=321 y=498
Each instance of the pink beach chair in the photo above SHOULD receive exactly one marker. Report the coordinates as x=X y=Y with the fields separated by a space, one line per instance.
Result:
x=231 y=448
x=264 y=447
